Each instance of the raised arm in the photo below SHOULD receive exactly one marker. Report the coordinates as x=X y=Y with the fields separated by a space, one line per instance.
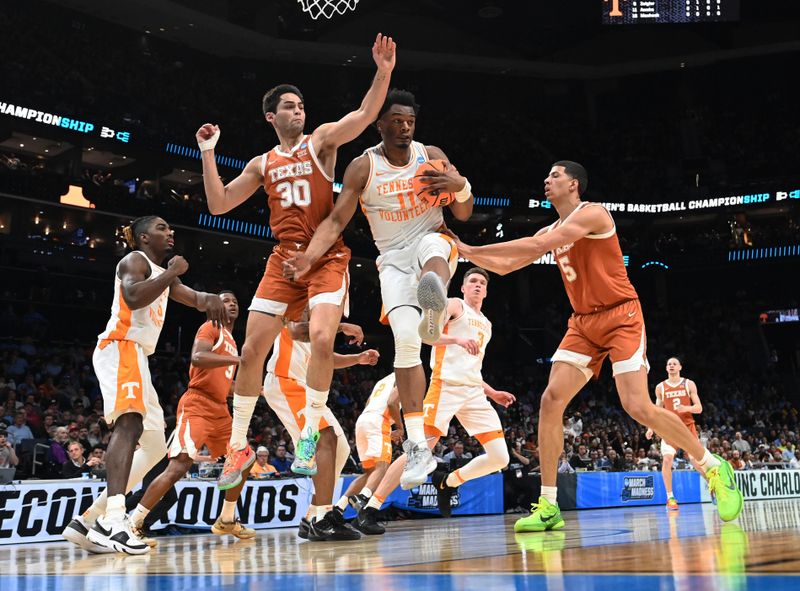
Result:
x=355 y=179
x=139 y=287
x=504 y=257
x=329 y=136
x=223 y=198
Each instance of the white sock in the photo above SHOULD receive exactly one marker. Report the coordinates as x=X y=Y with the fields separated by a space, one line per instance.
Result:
x=115 y=508
x=322 y=511
x=375 y=502
x=138 y=515
x=366 y=492
x=228 y=514
x=342 y=503
x=669 y=494
x=415 y=428
x=550 y=493
x=316 y=403
x=708 y=461
x=243 y=407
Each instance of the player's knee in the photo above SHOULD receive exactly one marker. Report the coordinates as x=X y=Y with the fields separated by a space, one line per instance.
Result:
x=253 y=353
x=640 y=411
x=667 y=463
x=552 y=402
x=321 y=341
x=497 y=453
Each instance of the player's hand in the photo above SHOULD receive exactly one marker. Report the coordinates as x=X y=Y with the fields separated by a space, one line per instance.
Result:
x=206 y=132
x=353 y=331
x=503 y=398
x=296 y=266
x=648 y=434
x=368 y=357
x=383 y=52
x=447 y=181
x=471 y=346
x=679 y=408
x=179 y=266
x=214 y=309
x=397 y=436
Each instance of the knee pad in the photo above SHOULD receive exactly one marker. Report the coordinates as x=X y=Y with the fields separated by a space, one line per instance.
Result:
x=407 y=343
x=497 y=453
x=438 y=245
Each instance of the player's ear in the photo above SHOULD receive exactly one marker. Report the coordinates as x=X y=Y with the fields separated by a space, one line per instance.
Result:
x=270 y=117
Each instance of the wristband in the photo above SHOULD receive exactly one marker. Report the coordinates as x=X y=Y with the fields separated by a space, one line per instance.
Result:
x=464 y=193
x=209 y=143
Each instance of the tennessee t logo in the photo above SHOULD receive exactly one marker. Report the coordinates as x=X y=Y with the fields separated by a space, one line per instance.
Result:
x=130 y=387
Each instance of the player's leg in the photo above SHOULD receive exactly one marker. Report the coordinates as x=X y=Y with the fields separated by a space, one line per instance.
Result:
x=176 y=469
x=323 y=325
x=566 y=380
x=227 y=523
x=368 y=439
x=438 y=258
x=481 y=421
x=668 y=457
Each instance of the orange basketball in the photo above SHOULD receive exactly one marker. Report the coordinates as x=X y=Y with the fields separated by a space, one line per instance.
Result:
x=421 y=189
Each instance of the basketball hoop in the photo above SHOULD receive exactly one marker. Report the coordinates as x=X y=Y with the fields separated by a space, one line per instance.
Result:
x=327 y=8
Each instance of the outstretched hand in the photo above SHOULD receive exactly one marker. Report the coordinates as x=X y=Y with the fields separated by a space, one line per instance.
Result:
x=297 y=265
x=383 y=52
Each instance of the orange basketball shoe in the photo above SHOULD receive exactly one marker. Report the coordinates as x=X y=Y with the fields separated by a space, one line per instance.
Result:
x=236 y=462
x=672 y=504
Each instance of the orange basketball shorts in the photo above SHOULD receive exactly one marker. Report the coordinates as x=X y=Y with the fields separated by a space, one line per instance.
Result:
x=200 y=421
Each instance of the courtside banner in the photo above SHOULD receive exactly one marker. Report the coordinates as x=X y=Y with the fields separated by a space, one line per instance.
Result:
x=764 y=484
x=629 y=489
x=482 y=496
x=37 y=511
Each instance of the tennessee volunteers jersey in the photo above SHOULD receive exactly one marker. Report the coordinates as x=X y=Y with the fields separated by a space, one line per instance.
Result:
x=142 y=326
x=299 y=192
x=677 y=395
x=453 y=364
x=215 y=382
x=378 y=401
x=289 y=358
x=395 y=215
x=593 y=270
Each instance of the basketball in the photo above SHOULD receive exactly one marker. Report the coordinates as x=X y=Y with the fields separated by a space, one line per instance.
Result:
x=435 y=199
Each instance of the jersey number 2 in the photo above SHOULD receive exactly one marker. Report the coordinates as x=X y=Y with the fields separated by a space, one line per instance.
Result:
x=295 y=193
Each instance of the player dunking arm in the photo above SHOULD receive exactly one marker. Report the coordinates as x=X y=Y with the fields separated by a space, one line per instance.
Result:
x=607 y=321
x=142 y=289
x=457 y=390
x=297 y=176
x=203 y=419
x=416 y=261
x=285 y=392
x=374 y=437
x=678 y=395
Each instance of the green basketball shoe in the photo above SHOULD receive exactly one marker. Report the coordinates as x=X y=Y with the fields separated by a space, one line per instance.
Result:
x=544 y=515
x=722 y=483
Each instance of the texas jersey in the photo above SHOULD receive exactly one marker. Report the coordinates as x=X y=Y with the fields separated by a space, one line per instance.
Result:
x=299 y=192
x=378 y=402
x=677 y=395
x=214 y=382
x=289 y=358
x=396 y=216
x=593 y=270
x=453 y=364
x=142 y=326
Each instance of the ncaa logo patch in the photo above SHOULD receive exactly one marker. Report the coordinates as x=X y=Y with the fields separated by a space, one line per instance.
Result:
x=420 y=159
x=303 y=146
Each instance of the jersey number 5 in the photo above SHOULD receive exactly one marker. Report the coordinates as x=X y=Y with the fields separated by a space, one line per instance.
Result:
x=569 y=271
x=295 y=193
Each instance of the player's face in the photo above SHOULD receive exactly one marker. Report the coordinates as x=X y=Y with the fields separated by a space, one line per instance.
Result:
x=290 y=114
x=673 y=366
x=558 y=184
x=397 y=126
x=231 y=305
x=160 y=237
x=475 y=286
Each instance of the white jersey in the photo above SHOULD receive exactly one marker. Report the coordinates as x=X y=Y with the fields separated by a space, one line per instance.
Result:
x=379 y=399
x=142 y=326
x=452 y=364
x=396 y=216
x=289 y=358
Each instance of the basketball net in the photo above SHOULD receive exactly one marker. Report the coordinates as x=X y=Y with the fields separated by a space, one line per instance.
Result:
x=327 y=8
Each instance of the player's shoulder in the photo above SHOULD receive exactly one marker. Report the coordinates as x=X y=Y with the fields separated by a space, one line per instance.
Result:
x=435 y=152
x=207 y=331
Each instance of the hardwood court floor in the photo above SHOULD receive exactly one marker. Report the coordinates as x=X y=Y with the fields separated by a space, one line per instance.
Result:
x=619 y=549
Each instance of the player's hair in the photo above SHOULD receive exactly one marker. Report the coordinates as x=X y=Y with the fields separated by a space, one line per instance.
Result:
x=273 y=96
x=230 y=291
x=676 y=358
x=576 y=171
x=476 y=270
x=397 y=96
x=138 y=226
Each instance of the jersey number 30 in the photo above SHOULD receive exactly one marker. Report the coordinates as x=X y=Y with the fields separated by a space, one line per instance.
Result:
x=295 y=193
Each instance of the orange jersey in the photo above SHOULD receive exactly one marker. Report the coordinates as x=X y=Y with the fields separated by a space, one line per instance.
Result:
x=214 y=383
x=299 y=192
x=677 y=395
x=593 y=270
